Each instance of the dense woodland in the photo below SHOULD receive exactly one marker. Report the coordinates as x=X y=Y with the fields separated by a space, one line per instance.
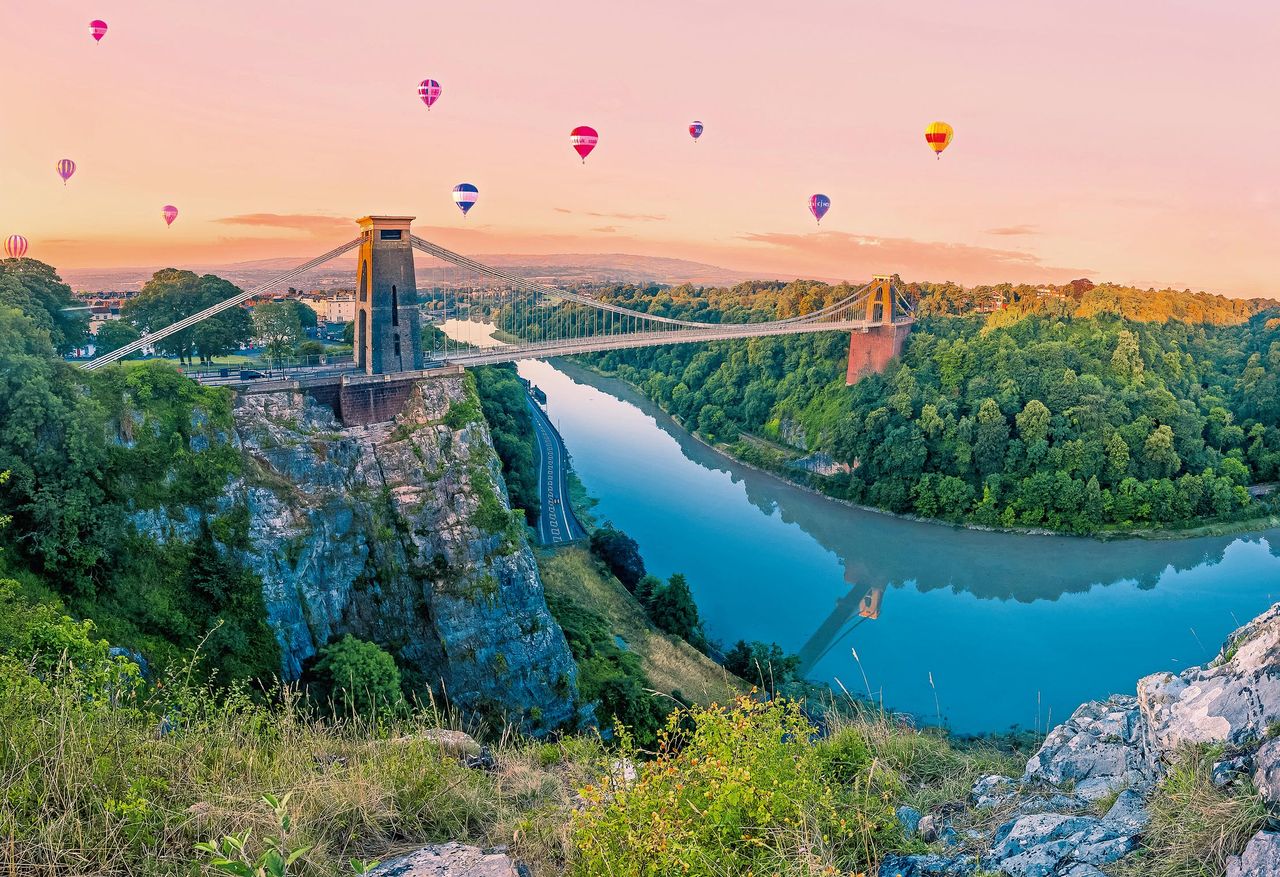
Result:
x=1079 y=408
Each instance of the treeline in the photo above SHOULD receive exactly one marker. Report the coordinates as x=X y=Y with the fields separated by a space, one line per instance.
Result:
x=1066 y=422
x=503 y=400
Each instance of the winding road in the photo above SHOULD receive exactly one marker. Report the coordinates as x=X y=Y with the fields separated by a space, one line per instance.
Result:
x=557 y=525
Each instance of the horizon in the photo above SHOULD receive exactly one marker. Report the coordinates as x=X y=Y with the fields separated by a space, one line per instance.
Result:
x=1169 y=186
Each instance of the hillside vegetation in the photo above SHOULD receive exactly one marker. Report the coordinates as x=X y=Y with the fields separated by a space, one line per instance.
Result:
x=1066 y=413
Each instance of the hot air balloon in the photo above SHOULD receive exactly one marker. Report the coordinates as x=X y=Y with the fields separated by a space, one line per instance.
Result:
x=97 y=29
x=170 y=213
x=584 y=139
x=818 y=206
x=939 y=135
x=695 y=130
x=429 y=91
x=15 y=246
x=66 y=168
x=465 y=195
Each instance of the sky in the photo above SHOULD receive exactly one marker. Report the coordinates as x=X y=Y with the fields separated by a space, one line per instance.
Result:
x=1133 y=142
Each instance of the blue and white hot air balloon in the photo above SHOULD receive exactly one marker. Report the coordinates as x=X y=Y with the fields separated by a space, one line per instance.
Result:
x=465 y=195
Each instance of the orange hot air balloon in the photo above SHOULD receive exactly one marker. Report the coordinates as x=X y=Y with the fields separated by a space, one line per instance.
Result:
x=939 y=136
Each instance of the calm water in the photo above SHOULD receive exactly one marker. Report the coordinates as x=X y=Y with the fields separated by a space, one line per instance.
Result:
x=1014 y=629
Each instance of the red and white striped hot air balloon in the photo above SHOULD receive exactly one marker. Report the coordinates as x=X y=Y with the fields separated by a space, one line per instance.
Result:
x=97 y=29
x=66 y=167
x=584 y=139
x=15 y=246
x=170 y=214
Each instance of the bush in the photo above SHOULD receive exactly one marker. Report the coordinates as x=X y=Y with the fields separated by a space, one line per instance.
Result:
x=620 y=553
x=356 y=678
x=734 y=790
x=762 y=664
x=673 y=611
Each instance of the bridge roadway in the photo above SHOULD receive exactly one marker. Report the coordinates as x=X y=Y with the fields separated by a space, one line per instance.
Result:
x=557 y=524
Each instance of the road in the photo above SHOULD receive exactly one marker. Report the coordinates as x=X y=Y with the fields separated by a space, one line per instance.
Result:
x=557 y=525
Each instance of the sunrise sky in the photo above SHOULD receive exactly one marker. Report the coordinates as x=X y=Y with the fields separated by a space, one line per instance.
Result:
x=1131 y=141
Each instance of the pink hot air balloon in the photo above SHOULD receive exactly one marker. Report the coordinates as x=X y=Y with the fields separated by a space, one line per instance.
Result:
x=97 y=29
x=818 y=206
x=170 y=214
x=429 y=91
x=15 y=246
x=584 y=139
x=66 y=167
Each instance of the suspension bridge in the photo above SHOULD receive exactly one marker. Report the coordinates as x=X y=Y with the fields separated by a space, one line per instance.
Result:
x=536 y=320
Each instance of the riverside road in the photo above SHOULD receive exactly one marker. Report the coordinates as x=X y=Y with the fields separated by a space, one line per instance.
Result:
x=557 y=525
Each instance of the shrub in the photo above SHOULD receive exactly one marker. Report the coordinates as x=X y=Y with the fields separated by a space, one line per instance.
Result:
x=356 y=678
x=620 y=553
x=762 y=664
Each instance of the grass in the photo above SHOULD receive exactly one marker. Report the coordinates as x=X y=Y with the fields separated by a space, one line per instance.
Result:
x=669 y=663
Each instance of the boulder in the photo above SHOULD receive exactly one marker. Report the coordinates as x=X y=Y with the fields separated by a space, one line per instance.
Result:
x=930 y=828
x=1233 y=700
x=450 y=860
x=927 y=866
x=909 y=818
x=454 y=743
x=1229 y=770
x=1261 y=858
x=1266 y=771
x=994 y=791
x=1129 y=813
x=1099 y=749
x=1051 y=844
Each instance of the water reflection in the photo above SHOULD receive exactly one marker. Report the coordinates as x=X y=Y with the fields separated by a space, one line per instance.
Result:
x=918 y=599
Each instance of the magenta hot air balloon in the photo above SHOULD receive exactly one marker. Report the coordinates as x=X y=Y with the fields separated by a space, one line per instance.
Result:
x=429 y=92
x=695 y=130
x=66 y=168
x=818 y=206
x=15 y=246
x=170 y=214
x=584 y=139
x=97 y=29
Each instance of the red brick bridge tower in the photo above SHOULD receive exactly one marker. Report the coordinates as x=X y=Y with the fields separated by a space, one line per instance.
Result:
x=879 y=342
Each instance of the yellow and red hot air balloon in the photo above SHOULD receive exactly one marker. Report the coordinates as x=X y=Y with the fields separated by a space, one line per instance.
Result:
x=939 y=136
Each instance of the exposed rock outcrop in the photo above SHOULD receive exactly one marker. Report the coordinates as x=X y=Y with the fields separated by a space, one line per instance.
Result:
x=400 y=534
x=450 y=860
x=1261 y=858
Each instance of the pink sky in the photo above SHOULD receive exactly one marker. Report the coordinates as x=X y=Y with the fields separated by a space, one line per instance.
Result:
x=1134 y=142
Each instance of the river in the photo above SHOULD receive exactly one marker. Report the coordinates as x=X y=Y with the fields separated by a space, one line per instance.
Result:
x=980 y=630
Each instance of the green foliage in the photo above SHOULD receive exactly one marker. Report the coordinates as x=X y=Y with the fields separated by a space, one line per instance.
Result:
x=172 y=294
x=36 y=290
x=503 y=401
x=1063 y=416
x=672 y=609
x=764 y=665
x=232 y=855
x=356 y=678
x=114 y=334
x=620 y=553
x=278 y=328
x=736 y=790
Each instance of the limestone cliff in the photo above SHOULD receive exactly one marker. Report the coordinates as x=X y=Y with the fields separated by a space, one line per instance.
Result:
x=400 y=534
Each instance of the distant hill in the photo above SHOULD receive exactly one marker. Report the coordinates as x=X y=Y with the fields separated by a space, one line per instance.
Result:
x=560 y=268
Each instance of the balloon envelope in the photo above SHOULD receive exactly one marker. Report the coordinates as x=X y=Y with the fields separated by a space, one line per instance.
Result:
x=465 y=195
x=939 y=136
x=819 y=205
x=429 y=91
x=66 y=168
x=15 y=246
x=170 y=214
x=584 y=139
x=695 y=130
x=98 y=29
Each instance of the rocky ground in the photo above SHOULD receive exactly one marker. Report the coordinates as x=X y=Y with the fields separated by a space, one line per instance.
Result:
x=1081 y=804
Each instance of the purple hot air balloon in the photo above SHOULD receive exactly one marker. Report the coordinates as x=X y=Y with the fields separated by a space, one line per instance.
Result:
x=695 y=130
x=465 y=195
x=429 y=91
x=170 y=213
x=66 y=167
x=15 y=246
x=818 y=206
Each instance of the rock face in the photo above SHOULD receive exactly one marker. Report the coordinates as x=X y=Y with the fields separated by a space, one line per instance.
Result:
x=1261 y=858
x=1101 y=748
x=400 y=534
x=450 y=860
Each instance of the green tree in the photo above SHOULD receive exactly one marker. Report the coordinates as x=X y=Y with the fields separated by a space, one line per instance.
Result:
x=1159 y=454
x=620 y=553
x=673 y=610
x=992 y=438
x=1033 y=422
x=277 y=328
x=114 y=334
x=36 y=289
x=355 y=677
x=171 y=295
x=762 y=664
x=1127 y=359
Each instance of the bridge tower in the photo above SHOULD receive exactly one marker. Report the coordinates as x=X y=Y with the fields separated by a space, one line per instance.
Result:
x=872 y=348
x=387 y=335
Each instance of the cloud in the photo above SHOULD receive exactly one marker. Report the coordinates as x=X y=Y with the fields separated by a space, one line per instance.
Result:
x=606 y=229
x=1013 y=230
x=624 y=217
x=312 y=223
x=851 y=256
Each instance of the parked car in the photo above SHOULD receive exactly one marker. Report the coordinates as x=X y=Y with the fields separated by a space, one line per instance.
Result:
x=248 y=374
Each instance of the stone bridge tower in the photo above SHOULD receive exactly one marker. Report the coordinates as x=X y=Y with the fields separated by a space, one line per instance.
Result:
x=387 y=335
x=873 y=348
